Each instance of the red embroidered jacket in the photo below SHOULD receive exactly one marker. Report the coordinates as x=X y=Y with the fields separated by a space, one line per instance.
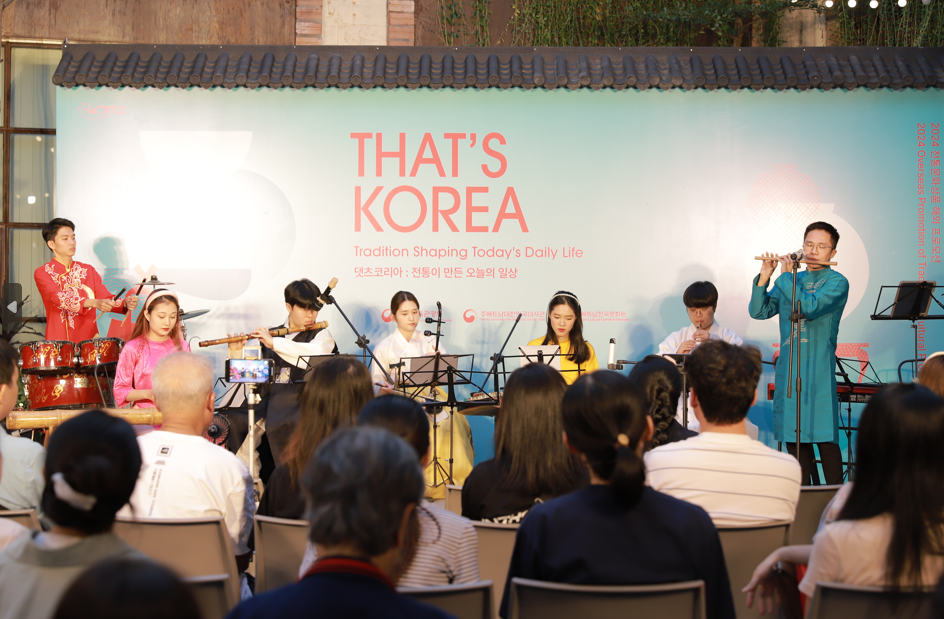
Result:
x=63 y=292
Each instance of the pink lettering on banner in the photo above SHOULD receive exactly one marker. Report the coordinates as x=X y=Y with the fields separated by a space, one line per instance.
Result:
x=100 y=111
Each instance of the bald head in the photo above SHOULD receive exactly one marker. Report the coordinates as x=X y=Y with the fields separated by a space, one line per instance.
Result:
x=183 y=389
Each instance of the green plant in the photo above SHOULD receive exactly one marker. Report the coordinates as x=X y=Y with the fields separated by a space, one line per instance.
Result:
x=480 y=21
x=914 y=25
x=451 y=17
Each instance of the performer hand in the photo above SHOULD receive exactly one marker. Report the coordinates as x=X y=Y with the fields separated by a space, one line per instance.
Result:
x=235 y=349
x=386 y=388
x=763 y=585
x=102 y=305
x=131 y=302
x=263 y=335
x=686 y=347
x=701 y=336
x=767 y=268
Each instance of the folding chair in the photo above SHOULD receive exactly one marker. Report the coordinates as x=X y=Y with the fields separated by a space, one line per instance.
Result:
x=496 y=542
x=744 y=548
x=466 y=601
x=211 y=594
x=280 y=548
x=26 y=517
x=454 y=499
x=813 y=500
x=833 y=599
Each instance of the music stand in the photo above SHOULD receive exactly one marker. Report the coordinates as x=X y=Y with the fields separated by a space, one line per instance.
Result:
x=548 y=355
x=912 y=302
x=429 y=372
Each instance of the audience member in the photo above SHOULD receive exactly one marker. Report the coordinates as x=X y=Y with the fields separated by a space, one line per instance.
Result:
x=9 y=530
x=126 y=587
x=531 y=464
x=363 y=486
x=92 y=465
x=184 y=475
x=932 y=373
x=22 y=484
x=334 y=392
x=737 y=480
x=888 y=530
x=661 y=381
x=617 y=530
x=447 y=549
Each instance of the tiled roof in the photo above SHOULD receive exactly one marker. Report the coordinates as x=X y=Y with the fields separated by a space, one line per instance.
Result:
x=183 y=66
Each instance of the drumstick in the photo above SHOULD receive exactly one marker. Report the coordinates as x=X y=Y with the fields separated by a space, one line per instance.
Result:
x=115 y=299
x=125 y=319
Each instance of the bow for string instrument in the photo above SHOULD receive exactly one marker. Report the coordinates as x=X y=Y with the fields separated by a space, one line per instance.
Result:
x=273 y=332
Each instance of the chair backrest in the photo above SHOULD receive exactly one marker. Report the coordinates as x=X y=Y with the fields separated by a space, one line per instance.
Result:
x=211 y=594
x=454 y=499
x=744 y=548
x=532 y=599
x=192 y=547
x=466 y=601
x=280 y=548
x=26 y=517
x=813 y=500
x=840 y=600
x=496 y=542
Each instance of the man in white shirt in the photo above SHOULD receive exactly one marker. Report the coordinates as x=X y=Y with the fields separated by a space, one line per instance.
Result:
x=22 y=485
x=183 y=475
x=277 y=413
x=737 y=480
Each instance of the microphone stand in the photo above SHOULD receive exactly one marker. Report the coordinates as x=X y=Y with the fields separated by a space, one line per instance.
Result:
x=434 y=384
x=361 y=341
x=498 y=358
x=795 y=317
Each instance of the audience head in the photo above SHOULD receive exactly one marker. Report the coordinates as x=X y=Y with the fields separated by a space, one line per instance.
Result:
x=9 y=378
x=900 y=471
x=334 y=393
x=92 y=465
x=605 y=421
x=363 y=485
x=528 y=447
x=661 y=381
x=724 y=380
x=183 y=390
x=125 y=587
x=931 y=374
x=565 y=323
x=402 y=416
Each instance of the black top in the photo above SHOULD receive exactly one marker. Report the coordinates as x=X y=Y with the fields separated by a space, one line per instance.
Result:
x=585 y=538
x=676 y=432
x=485 y=498
x=282 y=498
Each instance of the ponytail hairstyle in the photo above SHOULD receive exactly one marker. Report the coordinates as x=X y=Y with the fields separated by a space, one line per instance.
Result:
x=579 y=351
x=92 y=466
x=660 y=380
x=158 y=296
x=605 y=419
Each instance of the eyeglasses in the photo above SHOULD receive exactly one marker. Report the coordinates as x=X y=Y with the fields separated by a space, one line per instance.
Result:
x=698 y=311
x=819 y=246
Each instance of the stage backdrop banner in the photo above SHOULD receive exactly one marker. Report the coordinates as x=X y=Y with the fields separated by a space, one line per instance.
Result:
x=489 y=201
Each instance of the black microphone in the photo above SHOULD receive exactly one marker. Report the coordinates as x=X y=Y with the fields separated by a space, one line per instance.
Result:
x=797 y=255
x=325 y=297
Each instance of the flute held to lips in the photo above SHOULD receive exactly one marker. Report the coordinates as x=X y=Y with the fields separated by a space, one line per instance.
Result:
x=274 y=332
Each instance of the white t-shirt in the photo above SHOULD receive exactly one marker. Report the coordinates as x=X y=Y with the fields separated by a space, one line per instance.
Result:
x=184 y=476
x=853 y=552
x=395 y=347
x=737 y=480
x=10 y=531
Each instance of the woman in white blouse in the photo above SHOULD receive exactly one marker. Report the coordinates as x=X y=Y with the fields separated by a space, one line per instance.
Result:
x=405 y=342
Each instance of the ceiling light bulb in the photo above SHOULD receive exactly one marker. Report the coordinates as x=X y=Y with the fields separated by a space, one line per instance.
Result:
x=31 y=200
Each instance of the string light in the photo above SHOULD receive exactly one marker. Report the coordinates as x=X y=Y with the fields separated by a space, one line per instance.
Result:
x=829 y=4
x=902 y=3
x=873 y=4
x=852 y=4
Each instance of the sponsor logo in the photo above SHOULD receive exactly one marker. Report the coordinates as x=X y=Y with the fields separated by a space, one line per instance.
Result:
x=100 y=111
x=165 y=450
x=469 y=315
x=386 y=315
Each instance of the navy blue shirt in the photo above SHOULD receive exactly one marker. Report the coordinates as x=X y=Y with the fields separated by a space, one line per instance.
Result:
x=585 y=538
x=337 y=587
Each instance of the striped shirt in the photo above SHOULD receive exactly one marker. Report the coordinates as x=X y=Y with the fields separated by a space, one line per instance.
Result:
x=737 y=480
x=447 y=553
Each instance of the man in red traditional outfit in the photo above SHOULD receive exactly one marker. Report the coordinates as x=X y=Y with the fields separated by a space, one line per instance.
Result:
x=73 y=291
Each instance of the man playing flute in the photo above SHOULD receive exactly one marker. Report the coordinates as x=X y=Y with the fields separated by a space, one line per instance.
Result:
x=821 y=296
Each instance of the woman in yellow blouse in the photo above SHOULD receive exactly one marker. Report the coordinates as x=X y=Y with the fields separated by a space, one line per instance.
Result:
x=565 y=328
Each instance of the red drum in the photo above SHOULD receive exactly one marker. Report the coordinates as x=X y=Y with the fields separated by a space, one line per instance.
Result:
x=47 y=357
x=49 y=391
x=100 y=351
